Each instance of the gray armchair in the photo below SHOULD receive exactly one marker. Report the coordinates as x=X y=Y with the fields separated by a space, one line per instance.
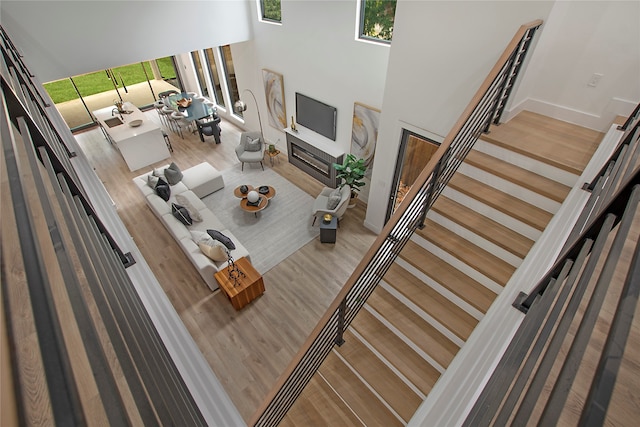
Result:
x=322 y=205
x=251 y=148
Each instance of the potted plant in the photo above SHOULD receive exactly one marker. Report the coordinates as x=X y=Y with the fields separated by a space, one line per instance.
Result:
x=351 y=172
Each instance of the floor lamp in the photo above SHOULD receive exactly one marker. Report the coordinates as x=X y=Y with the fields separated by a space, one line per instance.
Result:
x=240 y=107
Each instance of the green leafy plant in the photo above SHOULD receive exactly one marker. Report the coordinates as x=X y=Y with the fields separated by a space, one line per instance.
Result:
x=351 y=172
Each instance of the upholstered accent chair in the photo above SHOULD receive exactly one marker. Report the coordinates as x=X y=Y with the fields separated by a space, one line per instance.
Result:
x=331 y=201
x=209 y=128
x=250 y=149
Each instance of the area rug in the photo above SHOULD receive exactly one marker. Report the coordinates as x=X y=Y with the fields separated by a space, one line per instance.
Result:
x=277 y=231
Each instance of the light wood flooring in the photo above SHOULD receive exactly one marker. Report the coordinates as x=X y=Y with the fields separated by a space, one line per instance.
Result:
x=246 y=349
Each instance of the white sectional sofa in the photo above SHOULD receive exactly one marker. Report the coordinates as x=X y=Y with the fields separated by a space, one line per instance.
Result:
x=196 y=183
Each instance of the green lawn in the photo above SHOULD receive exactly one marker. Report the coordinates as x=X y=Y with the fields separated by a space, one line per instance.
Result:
x=97 y=82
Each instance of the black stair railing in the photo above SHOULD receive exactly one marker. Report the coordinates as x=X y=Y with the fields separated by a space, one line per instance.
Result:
x=485 y=106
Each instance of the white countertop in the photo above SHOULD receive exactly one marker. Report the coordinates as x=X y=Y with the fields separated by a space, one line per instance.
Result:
x=124 y=131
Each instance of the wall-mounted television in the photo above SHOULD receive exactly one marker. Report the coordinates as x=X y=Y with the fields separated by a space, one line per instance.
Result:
x=316 y=115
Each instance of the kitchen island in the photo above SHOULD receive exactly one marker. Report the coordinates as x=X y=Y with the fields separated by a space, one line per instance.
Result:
x=140 y=146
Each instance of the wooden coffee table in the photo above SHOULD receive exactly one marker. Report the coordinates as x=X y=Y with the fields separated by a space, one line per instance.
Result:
x=263 y=201
x=248 y=287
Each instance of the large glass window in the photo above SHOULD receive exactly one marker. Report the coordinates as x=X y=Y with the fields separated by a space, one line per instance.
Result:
x=376 y=19
x=271 y=10
x=195 y=55
x=215 y=77
x=230 y=75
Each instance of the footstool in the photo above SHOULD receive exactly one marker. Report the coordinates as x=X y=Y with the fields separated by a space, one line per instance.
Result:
x=202 y=179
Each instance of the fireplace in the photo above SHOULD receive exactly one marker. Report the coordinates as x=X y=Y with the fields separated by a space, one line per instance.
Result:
x=311 y=154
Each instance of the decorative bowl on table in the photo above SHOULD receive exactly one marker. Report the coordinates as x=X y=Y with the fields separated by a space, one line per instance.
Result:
x=135 y=123
x=264 y=189
x=184 y=102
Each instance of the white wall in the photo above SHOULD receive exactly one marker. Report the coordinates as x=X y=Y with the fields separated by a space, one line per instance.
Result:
x=581 y=38
x=441 y=53
x=316 y=52
x=67 y=38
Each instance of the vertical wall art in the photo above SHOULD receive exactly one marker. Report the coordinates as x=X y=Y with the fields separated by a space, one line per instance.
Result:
x=364 y=133
x=274 y=93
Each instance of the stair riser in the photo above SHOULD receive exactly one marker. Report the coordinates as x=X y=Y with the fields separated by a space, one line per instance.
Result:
x=510 y=188
x=496 y=215
x=528 y=163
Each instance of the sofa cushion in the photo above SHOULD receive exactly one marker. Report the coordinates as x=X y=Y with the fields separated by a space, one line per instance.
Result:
x=173 y=174
x=181 y=213
x=209 y=220
x=222 y=238
x=158 y=206
x=194 y=212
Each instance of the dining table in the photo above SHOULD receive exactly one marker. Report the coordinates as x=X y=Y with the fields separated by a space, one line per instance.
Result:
x=195 y=111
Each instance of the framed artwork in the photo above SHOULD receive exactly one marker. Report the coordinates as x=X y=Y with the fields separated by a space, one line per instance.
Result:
x=274 y=94
x=364 y=133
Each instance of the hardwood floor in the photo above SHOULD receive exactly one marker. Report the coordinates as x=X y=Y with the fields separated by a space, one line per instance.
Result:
x=246 y=349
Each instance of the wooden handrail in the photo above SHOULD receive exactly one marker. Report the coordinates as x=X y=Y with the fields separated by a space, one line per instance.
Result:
x=421 y=180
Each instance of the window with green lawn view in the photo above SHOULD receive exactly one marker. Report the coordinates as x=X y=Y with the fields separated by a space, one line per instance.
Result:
x=271 y=10
x=376 y=20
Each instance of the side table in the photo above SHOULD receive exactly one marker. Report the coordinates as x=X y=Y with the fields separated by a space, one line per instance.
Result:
x=248 y=287
x=272 y=155
x=328 y=230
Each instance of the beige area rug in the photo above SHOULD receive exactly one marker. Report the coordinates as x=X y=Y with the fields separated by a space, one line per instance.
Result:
x=276 y=232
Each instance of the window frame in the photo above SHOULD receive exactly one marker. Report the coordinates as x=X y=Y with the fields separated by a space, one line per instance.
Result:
x=361 y=21
x=261 y=9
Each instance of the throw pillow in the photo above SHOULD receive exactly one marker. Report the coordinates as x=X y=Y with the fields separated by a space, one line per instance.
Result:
x=158 y=173
x=251 y=144
x=173 y=174
x=334 y=199
x=163 y=190
x=214 y=250
x=152 y=181
x=181 y=213
x=193 y=212
x=222 y=238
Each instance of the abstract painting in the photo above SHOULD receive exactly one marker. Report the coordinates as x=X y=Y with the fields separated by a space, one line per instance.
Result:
x=364 y=133
x=274 y=93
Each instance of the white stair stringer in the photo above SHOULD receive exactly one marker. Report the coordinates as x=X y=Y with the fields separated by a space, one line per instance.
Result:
x=456 y=263
x=477 y=240
x=500 y=217
x=427 y=280
x=422 y=314
x=438 y=367
x=510 y=188
x=525 y=162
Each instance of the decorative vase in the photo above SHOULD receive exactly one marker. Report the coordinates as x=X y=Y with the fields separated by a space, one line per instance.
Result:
x=253 y=196
x=293 y=124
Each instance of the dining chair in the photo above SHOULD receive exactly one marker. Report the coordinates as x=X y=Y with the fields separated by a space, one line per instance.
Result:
x=209 y=128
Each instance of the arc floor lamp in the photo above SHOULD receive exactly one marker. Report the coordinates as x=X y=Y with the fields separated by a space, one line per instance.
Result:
x=240 y=107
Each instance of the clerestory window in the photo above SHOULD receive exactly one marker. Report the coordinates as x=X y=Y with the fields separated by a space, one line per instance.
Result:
x=271 y=10
x=376 y=20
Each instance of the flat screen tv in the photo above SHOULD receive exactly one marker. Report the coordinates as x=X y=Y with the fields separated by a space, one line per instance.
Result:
x=316 y=115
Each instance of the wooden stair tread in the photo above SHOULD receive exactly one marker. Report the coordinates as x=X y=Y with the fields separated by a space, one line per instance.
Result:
x=483 y=226
x=356 y=395
x=544 y=186
x=319 y=405
x=561 y=144
x=421 y=333
x=431 y=302
x=379 y=376
x=463 y=286
x=486 y=263
x=396 y=351
x=510 y=205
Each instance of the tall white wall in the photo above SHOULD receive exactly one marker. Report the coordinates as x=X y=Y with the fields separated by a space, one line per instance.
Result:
x=582 y=38
x=441 y=53
x=316 y=52
x=67 y=38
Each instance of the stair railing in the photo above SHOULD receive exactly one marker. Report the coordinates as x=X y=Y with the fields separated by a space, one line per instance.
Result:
x=485 y=107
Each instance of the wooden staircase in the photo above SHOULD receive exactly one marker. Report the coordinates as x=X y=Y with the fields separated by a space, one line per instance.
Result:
x=448 y=274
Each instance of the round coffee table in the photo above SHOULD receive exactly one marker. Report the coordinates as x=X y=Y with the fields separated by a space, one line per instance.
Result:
x=262 y=203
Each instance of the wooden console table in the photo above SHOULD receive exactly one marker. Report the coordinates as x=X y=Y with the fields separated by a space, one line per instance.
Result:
x=248 y=287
